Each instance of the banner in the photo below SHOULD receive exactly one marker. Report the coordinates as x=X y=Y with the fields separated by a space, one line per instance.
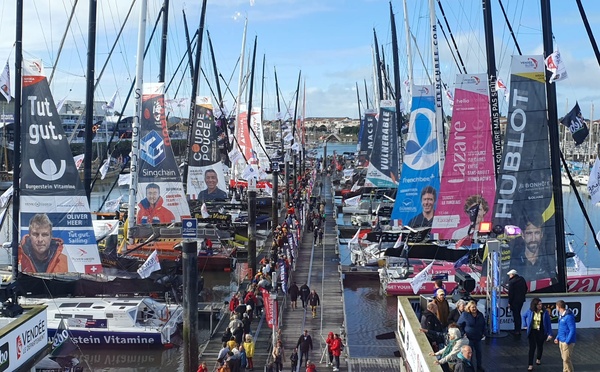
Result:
x=383 y=164
x=468 y=177
x=524 y=183
x=420 y=168
x=594 y=182
x=422 y=277
x=367 y=138
x=151 y=265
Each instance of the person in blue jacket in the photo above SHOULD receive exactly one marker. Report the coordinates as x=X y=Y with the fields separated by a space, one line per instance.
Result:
x=472 y=324
x=539 y=329
x=566 y=336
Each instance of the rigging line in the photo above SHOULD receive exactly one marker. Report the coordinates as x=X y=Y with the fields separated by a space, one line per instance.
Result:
x=37 y=13
x=62 y=41
x=510 y=26
x=449 y=47
x=183 y=58
x=590 y=34
x=451 y=35
x=421 y=58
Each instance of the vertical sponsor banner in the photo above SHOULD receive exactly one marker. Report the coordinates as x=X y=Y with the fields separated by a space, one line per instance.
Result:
x=367 y=137
x=420 y=166
x=468 y=176
x=242 y=133
x=383 y=163
x=53 y=200
x=524 y=187
x=257 y=140
x=205 y=168
x=160 y=194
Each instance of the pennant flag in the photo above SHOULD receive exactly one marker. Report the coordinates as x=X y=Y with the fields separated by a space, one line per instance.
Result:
x=151 y=265
x=79 y=160
x=580 y=267
x=422 y=277
x=113 y=204
x=555 y=65
x=461 y=261
x=354 y=239
x=5 y=82
x=204 y=211
x=353 y=201
x=235 y=155
x=104 y=168
x=398 y=242
x=62 y=344
x=576 y=124
x=249 y=172
x=109 y=106
x=501 y=87
x=268 y=190
x=594 y=182
x=450 y=97
x=124 y=179
x=60 y=104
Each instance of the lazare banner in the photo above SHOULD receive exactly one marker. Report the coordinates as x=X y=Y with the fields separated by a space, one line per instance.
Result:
x=524 y=185
x=468 y=176
x=160 y=195
x=56 y=228
x=383 y=163
x=420 y=167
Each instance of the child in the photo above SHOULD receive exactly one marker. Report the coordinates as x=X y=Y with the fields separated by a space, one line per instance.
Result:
x=294 y=358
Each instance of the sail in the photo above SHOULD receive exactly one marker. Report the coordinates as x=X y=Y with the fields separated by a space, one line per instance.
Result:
x=524 y=185
x=468 y=174
x=55 y=220
x=367 y=137
x=160 y=194
x=383 y=165
x=420 y=168
x=205 y=169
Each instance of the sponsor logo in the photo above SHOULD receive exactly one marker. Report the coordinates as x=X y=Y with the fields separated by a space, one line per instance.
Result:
x=4 y=357
x=574 y=306
x=19 y=347
x=597 y=312
x=152 y=149
x=530 y=63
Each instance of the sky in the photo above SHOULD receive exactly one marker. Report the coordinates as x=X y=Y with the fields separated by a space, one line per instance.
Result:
x=328 y=43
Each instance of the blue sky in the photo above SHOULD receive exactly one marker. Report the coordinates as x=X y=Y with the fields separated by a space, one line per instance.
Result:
x=328 y=41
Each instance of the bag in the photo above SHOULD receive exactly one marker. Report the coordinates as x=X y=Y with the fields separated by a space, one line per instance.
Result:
x=341 y=347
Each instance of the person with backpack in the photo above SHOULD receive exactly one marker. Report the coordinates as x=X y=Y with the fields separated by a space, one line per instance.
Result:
x=336 y=349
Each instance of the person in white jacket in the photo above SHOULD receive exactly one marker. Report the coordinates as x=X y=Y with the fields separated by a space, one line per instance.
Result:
x=449 y=353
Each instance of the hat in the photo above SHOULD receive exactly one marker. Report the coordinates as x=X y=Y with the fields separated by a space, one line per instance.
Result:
x=512 y=272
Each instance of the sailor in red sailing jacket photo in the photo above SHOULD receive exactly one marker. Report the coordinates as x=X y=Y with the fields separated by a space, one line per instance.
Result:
x=151 y=209
x=40 y=252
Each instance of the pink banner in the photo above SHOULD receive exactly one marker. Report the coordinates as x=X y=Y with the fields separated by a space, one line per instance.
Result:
x=270 y=308
x=468 y=175
x=242 y=134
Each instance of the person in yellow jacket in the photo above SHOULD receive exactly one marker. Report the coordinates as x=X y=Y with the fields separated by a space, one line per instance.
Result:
x=249 y=347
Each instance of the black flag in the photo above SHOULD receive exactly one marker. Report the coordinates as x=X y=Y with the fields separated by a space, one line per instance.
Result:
x=473 y=212
x=576 y=124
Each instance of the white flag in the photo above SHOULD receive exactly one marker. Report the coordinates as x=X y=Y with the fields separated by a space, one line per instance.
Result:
x=354 y=239
x=501 y=87
x=78 y=160
x=113 y=204
x=235 y=155
x=556 y=66
x=109 y=106
x=5 y=197
x=421 y=278
x=204 y=211
x=268 y=190
x=579 y=265
x=124 y=179
x=5 y=82
x=398 y=242
x=249 y=172
x=60 y=104
x=353 y=201
x=594 y=182
x=289 y=137
x=151 y=265
x=104 y=168
x=296 y=146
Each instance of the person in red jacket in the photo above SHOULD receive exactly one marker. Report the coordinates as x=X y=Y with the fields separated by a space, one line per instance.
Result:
x=235 y=301
x=310 y=366
x=336 y=350
x=329 y=341
x=151 y=209
x=40 y=252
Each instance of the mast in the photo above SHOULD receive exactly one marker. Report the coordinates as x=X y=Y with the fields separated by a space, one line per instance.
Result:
x=240 y=85
x=358 y=101
x=408 y=55
x=216 y=72
x=163 y=43
x=378 y=69
x=279 y=115
x=251 y=92
x=294 y=130
x=135 y=126
x=18 y=137
x=561 y=258
x=491 y=67
x=89 y=100
x=366 y=94
x=397 y=84
x=439 y=111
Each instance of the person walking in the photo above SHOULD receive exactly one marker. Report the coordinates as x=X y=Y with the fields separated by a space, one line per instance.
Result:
x=517 y=290
x=249 y=347
x=566 y=336
x=320 y=236
x=294 y=359
x=539 y=329
x=316 y=234
x=314 y=301
x=304 y=345
x=279 y=356
x=472 y=324
x=293 y=291
x=304 y=292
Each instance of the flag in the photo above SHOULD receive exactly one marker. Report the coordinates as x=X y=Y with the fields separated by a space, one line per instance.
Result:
x=204 y=211
x=5 y=197
x=296 y=146
x=109 y=106
x=423 y=276
x=235 y=155
x=289 y=137
x=500 y=86
x=268 y=190
x=249 y=172
x=113 y=204
x=354 y=239
x=555 y=65
x=462 y=261
x=104 y=168
x=78 y=160
x=398 y=242
x=151 y=265
x=594 y=182
x=580 y=267
x=60 y=104
x=450 y=97
x=62 y=345
x=353 y=201
x=5 y=82
x=576 y=124
x=124 y=179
